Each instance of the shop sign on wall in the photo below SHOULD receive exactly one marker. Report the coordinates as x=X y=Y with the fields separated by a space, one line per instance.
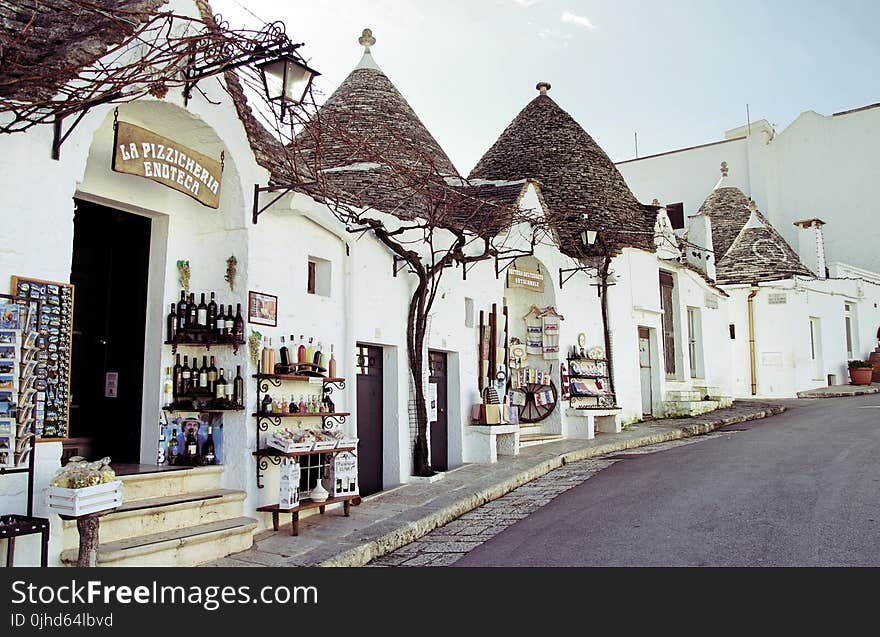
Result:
x=138 y=151
x=533 y=281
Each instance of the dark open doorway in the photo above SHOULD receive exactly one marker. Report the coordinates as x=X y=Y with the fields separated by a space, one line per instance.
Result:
x=111 y=256
x=370 y=411
x=439 y=428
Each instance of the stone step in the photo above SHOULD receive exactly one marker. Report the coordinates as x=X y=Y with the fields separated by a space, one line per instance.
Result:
x=680 y=408
x=686 y=395
x=531 y=440
x=182 y=547
x=165 y=513
x=143 y=486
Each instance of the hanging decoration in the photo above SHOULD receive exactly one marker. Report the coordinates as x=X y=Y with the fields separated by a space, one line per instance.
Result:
x=183 y=273
x=231 y=269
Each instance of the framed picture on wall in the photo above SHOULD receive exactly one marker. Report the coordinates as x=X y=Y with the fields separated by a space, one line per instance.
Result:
x=262 y=308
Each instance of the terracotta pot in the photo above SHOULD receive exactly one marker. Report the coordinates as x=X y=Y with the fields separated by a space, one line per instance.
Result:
x=860 y=375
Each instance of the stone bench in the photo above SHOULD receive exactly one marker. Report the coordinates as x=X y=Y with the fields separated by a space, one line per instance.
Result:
x=584 y=423
x=487 y=442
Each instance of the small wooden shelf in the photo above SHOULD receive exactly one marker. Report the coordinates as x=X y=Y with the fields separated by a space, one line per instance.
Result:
x=305 y=415
x=294 y=377
x=275 y=453
x=306 y=503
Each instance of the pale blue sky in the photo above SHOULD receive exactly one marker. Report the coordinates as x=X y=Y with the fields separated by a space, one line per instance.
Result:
x=679 y=72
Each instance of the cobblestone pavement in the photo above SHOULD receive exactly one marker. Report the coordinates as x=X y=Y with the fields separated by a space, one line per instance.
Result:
x=448 y=544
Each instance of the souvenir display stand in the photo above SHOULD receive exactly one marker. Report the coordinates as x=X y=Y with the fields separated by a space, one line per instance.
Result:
x=590 y=397
x=20 y=347
x=322 y=460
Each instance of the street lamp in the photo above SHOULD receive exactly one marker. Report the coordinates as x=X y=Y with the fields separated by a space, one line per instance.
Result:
x=286 y=79
x=588 y=237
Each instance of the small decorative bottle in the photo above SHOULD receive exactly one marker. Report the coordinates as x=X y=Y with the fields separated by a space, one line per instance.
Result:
x=292 y=406
x=302 y=405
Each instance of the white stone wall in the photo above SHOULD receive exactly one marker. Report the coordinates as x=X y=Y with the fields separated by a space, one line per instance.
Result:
x=819 y=166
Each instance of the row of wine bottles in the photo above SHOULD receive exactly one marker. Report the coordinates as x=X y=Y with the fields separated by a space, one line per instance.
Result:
x=305 y=354
x=207 y=380
x=191 y=454
x=187 y=316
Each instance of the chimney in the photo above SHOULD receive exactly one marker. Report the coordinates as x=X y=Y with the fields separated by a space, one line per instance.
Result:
x=700 y=252
x=811 y=246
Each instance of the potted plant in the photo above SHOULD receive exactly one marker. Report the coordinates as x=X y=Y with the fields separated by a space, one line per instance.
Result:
x=860 y=372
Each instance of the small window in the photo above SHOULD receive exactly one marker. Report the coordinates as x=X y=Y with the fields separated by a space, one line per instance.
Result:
x=732 y=328
x=675 y=212
x=468 y=312
x=313 y=272
x=318 y=276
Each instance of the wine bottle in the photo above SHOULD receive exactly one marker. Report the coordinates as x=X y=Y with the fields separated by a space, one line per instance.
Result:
x=203 y=375
x=230 y=388
x=270 y=358
x=221 y=322
x=202 y=313
x=230 y=320
x=168 y=387
x=208 y=452
x=220 y=386
x=316 y=356
x=238 y=325
x=212 y=314
x=212 y=376
x=301 y=351
x=192 y=312
x=178 y=379
x=191 y=447
x=310 y=351
x=186 y=376
x=284 y=354
x=238 y=388
x=182 y=312
x=332 y=365
x=173 y=448
x=172 y=324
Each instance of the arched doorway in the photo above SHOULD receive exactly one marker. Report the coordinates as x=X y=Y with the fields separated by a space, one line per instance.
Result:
x=533 y=328
x=130 y=234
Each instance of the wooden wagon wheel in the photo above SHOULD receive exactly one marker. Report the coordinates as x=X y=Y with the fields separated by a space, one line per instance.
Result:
x=532 y=412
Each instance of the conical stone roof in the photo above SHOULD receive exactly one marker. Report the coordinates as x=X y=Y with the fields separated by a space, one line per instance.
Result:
x=368 y=143
x=546 y=144
x=747 y=247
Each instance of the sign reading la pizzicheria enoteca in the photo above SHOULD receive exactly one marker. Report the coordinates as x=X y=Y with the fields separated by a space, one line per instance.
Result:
x=141 y=152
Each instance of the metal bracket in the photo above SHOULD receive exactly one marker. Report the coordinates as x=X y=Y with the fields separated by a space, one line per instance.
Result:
x=570 y=272
x=397 y=267
x=510 y=259
x=60 y=137
x=465 y=269
x=284 y=190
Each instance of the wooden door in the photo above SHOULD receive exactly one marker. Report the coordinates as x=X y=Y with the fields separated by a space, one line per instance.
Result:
x=369 y=418
x=439 y=427
x=645 y=370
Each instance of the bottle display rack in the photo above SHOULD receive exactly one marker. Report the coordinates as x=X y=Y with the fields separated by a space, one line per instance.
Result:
x=329 y=420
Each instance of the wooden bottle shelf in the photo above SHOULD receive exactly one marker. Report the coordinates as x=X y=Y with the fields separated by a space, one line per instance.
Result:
x=305 y=415
x=294 y=377
x=275 y=453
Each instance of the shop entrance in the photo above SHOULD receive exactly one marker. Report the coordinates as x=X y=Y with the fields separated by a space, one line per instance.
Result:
x=439 y=427
x=646 y=376
x=111 y=251
x=369 y=418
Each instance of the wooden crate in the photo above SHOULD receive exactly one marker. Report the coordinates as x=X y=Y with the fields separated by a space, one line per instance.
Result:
x=77 y=502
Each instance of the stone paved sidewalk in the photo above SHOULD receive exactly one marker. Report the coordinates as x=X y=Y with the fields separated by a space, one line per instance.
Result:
x=840 y=391
x=392 y=519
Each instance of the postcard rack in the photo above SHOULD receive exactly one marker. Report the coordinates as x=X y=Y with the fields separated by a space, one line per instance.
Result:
x=590 y=383
x=21 y=345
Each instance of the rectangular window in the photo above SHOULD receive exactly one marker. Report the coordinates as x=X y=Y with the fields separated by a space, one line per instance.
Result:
x=313 y=271
x=668 y=322
x=318 y=276
x=468 y=312
x=675 y=212
x=732 y=329
x=849 y=320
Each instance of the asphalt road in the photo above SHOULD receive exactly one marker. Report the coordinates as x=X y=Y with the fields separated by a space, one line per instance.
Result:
x=799 y=489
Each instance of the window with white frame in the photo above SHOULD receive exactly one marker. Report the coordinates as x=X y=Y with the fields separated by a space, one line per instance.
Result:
x=668 y=322
x=849 y=317
x=695 y=342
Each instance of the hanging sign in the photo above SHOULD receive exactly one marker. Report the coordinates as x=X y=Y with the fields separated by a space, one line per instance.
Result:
x=533 y=281
x=138 y=151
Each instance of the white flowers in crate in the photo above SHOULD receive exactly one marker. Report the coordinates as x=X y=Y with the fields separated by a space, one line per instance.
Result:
x=78 y=473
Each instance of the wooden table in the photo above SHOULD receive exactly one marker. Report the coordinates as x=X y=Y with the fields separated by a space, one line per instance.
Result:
x=305 y=504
